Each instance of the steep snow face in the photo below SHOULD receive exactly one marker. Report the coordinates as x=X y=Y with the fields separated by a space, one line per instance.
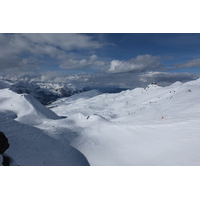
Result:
x=24 y=108
x=145 y=126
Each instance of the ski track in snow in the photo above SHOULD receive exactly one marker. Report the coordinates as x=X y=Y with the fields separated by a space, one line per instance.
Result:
x=144 y=126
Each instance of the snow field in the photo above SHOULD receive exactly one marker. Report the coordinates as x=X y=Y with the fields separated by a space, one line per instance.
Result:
x=151 y=126
x=144 y=126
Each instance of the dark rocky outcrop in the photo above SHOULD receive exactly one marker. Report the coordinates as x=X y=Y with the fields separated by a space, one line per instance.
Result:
x=4 y=145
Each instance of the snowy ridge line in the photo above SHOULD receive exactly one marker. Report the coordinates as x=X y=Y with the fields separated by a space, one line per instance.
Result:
x=27 y=109
x=132 y=102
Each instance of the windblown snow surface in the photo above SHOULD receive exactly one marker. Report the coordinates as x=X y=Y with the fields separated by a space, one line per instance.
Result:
x=144 y=126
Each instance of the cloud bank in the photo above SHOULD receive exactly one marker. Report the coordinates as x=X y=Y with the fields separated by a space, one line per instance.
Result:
x=59 y=57
x=165 y=78
x=83 y=63
x=189 y=63
x=31 y=50
x=115 y=80
x=140 y=63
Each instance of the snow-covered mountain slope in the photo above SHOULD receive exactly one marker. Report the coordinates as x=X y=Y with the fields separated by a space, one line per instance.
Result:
x=145 y=126
x=24 y=107
x=139 y=106
x=29 y=127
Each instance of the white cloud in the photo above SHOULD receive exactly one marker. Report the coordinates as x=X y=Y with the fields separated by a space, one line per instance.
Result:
x=165 y=77
x=137 y=64
x=93 y=57
x=92 y=62
x=14 y=47
x=66 y=41
x=190 y=63
x=121 y=80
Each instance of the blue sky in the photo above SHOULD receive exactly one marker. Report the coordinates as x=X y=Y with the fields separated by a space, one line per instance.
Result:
x=112 y=59
x=180 y=47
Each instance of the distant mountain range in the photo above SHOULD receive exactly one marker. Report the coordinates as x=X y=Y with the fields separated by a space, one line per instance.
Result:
x=47 y=92
x=44 y=92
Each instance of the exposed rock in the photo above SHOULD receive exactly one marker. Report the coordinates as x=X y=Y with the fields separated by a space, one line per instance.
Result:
x=4 y=145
